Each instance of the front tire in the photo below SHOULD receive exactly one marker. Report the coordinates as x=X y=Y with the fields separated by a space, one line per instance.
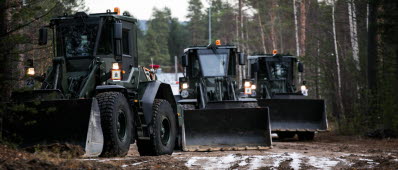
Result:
x=116 y=122
x=163 y=137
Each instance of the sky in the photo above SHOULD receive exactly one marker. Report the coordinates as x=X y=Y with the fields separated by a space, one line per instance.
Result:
x=142 y=9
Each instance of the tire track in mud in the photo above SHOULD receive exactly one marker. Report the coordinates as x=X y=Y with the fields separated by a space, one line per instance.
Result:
x=268 y=160
x=327 y=151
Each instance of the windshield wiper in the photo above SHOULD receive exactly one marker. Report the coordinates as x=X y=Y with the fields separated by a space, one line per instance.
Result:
x=213 y=48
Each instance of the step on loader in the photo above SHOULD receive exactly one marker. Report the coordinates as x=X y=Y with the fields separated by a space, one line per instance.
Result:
x=94 y=95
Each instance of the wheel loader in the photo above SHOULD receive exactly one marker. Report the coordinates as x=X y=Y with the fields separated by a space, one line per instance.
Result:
x=272 y=83
x=95 y=94
x=212 y=116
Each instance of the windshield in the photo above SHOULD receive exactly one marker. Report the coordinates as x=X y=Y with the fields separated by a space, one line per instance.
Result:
x=279 y=70
x=76 y=40
x=213 y=65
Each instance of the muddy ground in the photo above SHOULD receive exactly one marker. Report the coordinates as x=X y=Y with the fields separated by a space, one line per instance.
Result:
x=327 y=151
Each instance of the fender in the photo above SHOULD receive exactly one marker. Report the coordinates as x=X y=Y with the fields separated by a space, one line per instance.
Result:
x=156 y=90
x=105 y=88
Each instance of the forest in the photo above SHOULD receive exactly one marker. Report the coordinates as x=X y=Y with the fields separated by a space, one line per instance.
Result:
x=349 y=47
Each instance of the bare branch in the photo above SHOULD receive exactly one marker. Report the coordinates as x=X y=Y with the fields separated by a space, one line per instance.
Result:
x=30 y=22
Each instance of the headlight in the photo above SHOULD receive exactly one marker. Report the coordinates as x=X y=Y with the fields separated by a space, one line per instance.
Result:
x=31 y=71
x=248 y=84
x=253 y=87
x=184 y=85
x=116 y=72
x=115 y=66
x=184 y=94
x=303 y=88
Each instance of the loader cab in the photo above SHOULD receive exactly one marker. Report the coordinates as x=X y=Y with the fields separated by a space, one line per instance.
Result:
x=88 y=36
x=273 y=75
x=81 y=40
x=209 y=70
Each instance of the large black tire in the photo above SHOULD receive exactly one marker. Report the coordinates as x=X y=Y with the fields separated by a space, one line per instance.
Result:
x=164 y=131
x=285 y=135
x=306 y=136
x=116 y=122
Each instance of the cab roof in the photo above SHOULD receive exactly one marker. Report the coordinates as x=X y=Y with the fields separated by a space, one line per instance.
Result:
x=210 y=47
x=270 y=55
x=124 y=17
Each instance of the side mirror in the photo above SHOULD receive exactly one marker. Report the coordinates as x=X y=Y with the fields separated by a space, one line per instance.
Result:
x=300 y=67
x=117 y=36
x=117 y=31
x=241 y=58
x=43 y=36
x=184 y=60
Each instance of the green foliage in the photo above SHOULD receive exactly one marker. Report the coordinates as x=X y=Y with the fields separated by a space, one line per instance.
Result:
x=165 y=38
x=223 y=26
x=178 y=39
x=197 y=23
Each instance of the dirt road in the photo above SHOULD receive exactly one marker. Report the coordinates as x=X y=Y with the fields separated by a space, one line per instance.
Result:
x=327 y=151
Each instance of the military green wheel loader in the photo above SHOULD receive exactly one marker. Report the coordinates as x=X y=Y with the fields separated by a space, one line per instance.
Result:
x=95 y=94
x=272 y=83
x=212 y=116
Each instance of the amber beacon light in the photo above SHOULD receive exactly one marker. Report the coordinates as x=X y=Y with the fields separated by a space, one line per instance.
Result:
x=218 y=42
x=117 y=10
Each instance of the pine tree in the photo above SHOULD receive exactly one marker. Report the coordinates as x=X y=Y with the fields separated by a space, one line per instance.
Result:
x=157 y=38
x=196 y=24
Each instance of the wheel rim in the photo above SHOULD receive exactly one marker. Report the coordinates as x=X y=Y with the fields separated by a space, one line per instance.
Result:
x=121 y=125
x=165 y=131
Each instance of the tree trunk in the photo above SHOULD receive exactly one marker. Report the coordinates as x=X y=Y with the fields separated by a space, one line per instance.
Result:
x=242 y=37
x=5 y=48
x=237 y=29
x=238 y=41
x=303 y=25
x=273 y=17
x=240 y=25
x=372 y=46
x=260 y=24
x=296 y=28
x=318 y=70
x=280 y=33
x=297 y=34
x=339 y=94
x=317 y=32
x=353 y=33
x=367 y=16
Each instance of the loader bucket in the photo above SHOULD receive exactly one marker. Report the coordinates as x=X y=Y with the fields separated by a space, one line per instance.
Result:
x=226 y=129
x=57 y=121
x=296 y=114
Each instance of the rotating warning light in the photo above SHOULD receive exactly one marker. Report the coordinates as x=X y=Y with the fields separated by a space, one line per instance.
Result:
x=218 y=42
x=117 y=10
